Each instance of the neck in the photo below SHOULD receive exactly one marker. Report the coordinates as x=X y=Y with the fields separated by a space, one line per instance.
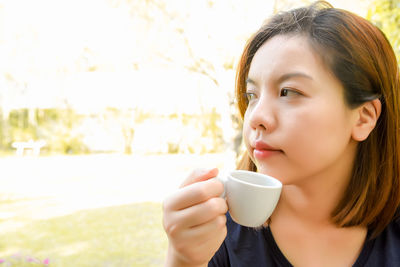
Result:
x=312 y=201
x=311 y=204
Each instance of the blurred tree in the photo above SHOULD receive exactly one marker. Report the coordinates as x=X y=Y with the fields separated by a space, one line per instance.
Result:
x=288 y=4
x=185 y=34
x=386 y=15
x=59 y=127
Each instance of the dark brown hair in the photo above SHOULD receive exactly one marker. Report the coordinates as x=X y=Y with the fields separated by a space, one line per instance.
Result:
x=362 y=59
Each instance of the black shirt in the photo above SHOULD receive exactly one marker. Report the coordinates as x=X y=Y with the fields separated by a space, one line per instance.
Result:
x=246 y=246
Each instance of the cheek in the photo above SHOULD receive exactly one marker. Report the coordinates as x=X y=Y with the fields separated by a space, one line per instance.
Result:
x=246 y=130
x=316 y=137
x=248 y=134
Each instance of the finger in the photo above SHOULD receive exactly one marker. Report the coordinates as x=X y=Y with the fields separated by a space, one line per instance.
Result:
x=199 y=175
x=194 y=194
x=202 y=213
x=209 y=233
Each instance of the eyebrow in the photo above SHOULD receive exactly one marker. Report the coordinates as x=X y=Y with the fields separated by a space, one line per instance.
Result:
x=248 y=80
x=285 y=77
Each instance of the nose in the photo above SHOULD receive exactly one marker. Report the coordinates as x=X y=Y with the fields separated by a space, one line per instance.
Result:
x=262 y=115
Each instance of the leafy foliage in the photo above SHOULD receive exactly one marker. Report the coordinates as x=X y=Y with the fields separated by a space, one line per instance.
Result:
x=386 y=15
x=56 y=126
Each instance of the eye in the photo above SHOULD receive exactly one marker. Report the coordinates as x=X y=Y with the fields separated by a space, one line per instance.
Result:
x=250 y=96
x=288 y=92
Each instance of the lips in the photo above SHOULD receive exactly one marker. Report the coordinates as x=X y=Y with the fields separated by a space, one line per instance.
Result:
x=262 y=150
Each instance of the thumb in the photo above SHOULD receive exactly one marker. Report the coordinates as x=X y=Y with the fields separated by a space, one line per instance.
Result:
x=199 y=175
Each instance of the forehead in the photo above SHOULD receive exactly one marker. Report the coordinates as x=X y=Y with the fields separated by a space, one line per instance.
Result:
x=287 y=53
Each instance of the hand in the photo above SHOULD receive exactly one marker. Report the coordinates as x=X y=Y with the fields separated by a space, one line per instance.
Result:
x=194 y=220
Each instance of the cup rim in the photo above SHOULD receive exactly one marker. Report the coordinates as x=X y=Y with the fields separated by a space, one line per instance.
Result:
x=277 y=183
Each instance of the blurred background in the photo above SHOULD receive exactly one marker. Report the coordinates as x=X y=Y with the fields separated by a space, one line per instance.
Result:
x=107 y=105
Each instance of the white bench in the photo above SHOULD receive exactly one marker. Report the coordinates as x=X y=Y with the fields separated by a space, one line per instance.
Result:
x=35 y=146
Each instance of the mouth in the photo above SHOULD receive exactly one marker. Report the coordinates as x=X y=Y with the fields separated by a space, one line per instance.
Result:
x=262 y=150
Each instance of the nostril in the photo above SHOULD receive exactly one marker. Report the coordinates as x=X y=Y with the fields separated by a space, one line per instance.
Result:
x=262 y=126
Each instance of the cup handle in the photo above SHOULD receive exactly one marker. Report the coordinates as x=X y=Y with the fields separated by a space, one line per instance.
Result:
x=223 y=180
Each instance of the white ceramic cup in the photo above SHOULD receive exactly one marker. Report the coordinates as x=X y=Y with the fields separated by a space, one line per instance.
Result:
x=251 y=196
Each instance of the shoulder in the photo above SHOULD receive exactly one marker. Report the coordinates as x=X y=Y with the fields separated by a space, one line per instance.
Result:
x=386 y=246
x=393 y=231
x=391 y=234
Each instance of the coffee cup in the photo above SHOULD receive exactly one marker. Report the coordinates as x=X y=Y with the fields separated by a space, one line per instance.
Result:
x=251 y=196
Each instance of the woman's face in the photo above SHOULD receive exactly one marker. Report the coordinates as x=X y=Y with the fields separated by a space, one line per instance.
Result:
x=296 y=125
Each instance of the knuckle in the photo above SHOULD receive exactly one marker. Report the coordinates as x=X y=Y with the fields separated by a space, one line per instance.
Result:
x=221 y=221
x=164 y=223
x=202 y=190
x=172 y=230
x=217 y=206
x=212 y=206
x=171 y=227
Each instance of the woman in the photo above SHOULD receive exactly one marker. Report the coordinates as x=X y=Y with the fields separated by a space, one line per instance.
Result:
x=318 y=89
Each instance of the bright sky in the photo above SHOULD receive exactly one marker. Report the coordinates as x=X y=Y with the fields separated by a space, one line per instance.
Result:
x=46 y=47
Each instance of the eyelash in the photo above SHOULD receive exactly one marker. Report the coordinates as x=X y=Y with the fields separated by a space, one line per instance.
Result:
x=285 y=91
x=249 y=96
x=282 y=93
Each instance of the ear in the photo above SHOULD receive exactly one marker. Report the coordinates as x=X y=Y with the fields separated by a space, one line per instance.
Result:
x=367 y=117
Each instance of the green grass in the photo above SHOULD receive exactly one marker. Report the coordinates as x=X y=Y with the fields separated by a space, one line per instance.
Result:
x=128 y=235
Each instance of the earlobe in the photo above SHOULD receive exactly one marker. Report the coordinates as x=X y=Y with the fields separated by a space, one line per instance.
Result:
x=368 y=115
